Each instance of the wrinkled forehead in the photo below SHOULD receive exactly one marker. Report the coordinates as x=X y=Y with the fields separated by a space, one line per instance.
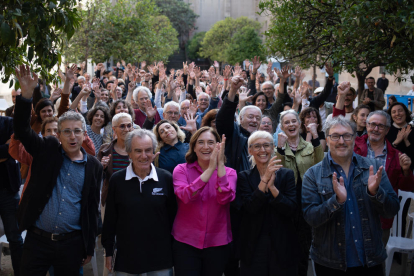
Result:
x=340 y=129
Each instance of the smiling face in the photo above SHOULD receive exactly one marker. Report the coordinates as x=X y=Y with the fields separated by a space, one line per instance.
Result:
x=121 y=108
x=311 y=118
x=105 y=96
x=46 y=112
x=185 y=105
x=251 y=119
x=51 y=129
x=142 y=153
x=268 y=90
x=398 y=115
x=340 y=148
x=266 y=125
x=123 y=126
x=168 y=134
x=118 y=92
x=98 y=119
x=261 y=102
x=261 y=156
x=171 y=113
x=71 y=144
x=375 y=122
x=202 y=102
x=142 y=99
x=290 y=125
x=204 y=146
x=371 y=84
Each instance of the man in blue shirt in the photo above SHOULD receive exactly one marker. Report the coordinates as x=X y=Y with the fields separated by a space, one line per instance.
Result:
x=343 y=199
x=59 y=207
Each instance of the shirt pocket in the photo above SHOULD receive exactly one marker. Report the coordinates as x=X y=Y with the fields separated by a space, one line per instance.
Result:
x=325 y=192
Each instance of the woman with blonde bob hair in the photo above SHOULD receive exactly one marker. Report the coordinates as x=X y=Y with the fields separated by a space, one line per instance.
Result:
x=171 y=145
x=267 y=198
x=204 y=188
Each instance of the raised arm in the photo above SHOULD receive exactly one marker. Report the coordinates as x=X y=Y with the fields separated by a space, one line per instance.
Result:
x=318 y=100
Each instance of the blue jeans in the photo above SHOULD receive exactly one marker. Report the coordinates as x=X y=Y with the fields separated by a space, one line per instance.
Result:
x=9 y=202
x=164 y=272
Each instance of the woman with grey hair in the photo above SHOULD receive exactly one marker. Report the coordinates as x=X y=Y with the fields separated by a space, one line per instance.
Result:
x=298 y=155
x=267 y=195
x=140 y=210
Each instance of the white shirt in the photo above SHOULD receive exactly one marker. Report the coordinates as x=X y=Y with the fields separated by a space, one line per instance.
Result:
x=322 y=112
x=410 y=93
x=130 y=174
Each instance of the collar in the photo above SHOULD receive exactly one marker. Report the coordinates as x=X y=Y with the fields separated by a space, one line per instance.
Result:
x=196 y=166
x=331 y=161
x=384 y=150
x=130 y=174
x=85 y=156
x=167 y=147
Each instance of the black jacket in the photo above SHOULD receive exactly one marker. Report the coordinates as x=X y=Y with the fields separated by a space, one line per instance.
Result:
x=46 y=165
x=6 y=130
x=261 y=212
x=141 y=221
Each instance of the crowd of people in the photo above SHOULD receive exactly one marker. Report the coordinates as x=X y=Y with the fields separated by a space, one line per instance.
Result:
x=193 y=172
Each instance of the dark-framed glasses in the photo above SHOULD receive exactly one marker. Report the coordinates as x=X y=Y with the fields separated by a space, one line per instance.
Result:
x=68 y=132
x=346 y=136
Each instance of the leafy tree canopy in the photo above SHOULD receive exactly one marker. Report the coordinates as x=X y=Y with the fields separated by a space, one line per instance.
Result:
x=245 y=43
x=32 y=32
x=356 y=35
x=218 y=38
x=194 y=45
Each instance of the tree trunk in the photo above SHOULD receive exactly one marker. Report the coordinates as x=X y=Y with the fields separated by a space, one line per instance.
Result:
x=361 y=86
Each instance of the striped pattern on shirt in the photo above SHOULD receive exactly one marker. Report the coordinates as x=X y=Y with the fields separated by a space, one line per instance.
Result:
x=97 y=139
x=119 y=162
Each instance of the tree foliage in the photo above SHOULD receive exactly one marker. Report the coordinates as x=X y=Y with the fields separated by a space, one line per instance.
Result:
x=245 y=43
x=218 y=38
x=194 y=45
x=356 y=35
x=129 y=30
x=181 y=16
x=32 y=32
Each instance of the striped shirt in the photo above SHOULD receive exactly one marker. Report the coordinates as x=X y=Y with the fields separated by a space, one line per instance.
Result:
x=382 y=158
x=119 y=162
x=97 y=139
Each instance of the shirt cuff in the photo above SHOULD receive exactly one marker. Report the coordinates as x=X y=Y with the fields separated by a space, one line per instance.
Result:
x=222 y=181
x=315 y=142
x=26 y=100
x=198 y=184
x=379 y=196
x=333 y=204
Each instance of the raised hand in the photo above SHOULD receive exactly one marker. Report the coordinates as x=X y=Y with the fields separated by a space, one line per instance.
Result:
x=70 y=72
x=211 y=71
x=343 y=88
x=243 y=96
x=329 y=69
x=185 y=68
x=256 y=64
x=221 y=157
x=149 y=110
x=191 y=123
x=197 y=72
x=193 y=108
x=339 y=188
x=313 y=129
x=285 y=72
x=143 y=64
x=147 y=77
x=298 y=72
x=236 y=82
x=227 y=72
x=297 y=97
x=55 y=94
x=85 y=91
x=374 y=180
x=405 y=161
x=26 y=81
x=213 y=86
x=247 y=64
x=281 y=141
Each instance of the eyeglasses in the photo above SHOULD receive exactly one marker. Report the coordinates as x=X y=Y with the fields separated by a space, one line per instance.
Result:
x=172 y=113
x=257 y=147
x=203 y=100
x=123 y=126
x=346 y=136
x=266 y=123
x=374 y=125
x=68 y=132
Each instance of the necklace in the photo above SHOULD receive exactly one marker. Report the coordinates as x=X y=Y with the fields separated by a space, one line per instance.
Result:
x=294 y=147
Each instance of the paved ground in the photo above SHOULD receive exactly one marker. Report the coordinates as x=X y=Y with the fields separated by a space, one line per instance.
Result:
x=396 y=270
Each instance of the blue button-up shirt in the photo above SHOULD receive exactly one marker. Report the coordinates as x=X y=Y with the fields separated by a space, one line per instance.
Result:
x=355 y=253
x=171 y=156
x=62 y=212
x=382 y=158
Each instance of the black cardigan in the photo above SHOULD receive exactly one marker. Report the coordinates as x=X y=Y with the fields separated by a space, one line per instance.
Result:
x=141 y=222
x=47 y=161
x=260 y=208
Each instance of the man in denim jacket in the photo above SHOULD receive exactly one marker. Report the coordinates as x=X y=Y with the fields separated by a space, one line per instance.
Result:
x=343 y=200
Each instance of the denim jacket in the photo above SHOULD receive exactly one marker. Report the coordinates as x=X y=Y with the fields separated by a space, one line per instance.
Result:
x=327 y=219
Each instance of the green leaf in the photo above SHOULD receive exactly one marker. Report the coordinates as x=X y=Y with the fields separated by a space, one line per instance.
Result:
x=7 y=35
x=11 y=84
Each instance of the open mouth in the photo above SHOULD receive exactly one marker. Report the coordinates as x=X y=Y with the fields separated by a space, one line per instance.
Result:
x=292 y=130
x=73 y=144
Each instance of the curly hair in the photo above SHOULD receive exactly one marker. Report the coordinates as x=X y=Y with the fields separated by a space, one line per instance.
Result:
x=407 y=112
x=128 y=105
x=254 y=99
x=305 y=112
x=102 y=108
x=209 y=117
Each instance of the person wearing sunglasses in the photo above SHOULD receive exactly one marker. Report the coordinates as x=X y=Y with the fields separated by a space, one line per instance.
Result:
x=266 y=196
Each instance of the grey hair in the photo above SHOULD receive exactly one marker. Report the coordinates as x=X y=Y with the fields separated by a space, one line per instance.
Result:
x=265 y=83
x=81 y=78
x=244 y=109
x=203 y=94
x=118 y=116
x=382 y=113
x=172 y=103
x=185 y=101
x=141 y=88
x=260 y=134
x=340 y=120
x=71 y=116
x=141 y=133
x=287 y=112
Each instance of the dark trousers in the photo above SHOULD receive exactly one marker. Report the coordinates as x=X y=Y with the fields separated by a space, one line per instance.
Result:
x=353 y=271
x=304 y=232
x=40 y=253
x=9 y=202
x=263 y=262
x=191 y=261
